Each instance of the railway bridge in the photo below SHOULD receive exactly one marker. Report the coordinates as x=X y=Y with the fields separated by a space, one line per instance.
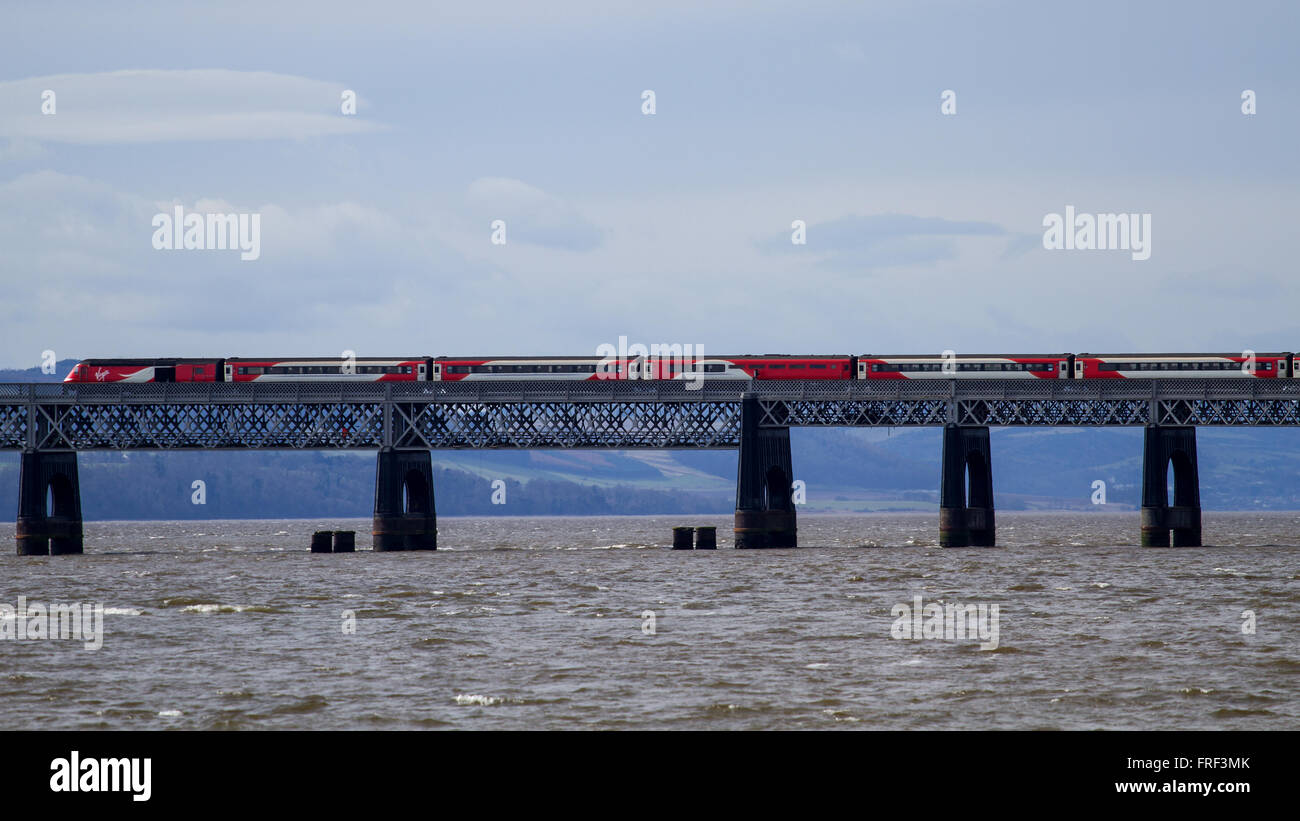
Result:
x=404 y=421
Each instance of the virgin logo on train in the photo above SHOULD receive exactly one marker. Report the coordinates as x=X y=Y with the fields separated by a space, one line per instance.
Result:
x=790 y=367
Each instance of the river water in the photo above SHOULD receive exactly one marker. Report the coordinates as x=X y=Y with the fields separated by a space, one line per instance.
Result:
x=532 y=623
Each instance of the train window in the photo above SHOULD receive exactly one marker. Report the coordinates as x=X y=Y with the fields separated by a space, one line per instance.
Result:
x=818 y=367
x=714 y=368
x=775 y=367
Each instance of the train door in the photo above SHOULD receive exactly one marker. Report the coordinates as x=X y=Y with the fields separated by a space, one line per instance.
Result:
x=230 y=372
x=1063 y=369
x=422 y=371
x=1078 y=369
x=862 y=369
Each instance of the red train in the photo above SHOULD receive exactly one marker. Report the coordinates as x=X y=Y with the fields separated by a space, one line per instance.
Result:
x=767 y=366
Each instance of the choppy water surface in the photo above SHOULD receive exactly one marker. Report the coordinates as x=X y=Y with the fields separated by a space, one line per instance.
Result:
x=537 y=623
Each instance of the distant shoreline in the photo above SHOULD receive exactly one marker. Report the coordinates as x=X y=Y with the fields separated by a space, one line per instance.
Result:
x=917 y=514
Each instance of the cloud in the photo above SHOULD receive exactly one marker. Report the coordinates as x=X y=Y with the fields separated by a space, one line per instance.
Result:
x=532 y=215
x=882 y=240
x=80 y=265
x=149 y=106
x=20 y=150
x=1021 y=244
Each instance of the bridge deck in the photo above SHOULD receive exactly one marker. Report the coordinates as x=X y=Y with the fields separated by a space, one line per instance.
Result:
x=592 y=414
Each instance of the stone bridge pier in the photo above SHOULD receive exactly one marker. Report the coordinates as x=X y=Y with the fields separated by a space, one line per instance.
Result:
x=405 y=517
x=49 y=504
x=966 y=513
x=1162 y=447
x=764 y=476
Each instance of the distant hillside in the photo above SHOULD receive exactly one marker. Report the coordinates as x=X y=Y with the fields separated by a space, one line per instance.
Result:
x=61 y=369
x=148 y=485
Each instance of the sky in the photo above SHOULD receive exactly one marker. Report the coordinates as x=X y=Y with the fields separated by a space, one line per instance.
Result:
x=924 y=229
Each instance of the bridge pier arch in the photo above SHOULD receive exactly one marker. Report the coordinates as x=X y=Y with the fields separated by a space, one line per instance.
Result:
x=966 y=519
x=1161 y=447
x=49 y=504
x=405 y=515
x=765 y=514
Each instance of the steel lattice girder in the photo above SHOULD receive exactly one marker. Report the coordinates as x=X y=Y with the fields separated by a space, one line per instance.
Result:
x=167 y=427
x=13 y=426
x=611 y=414
x=854 y=413
x=624 y=425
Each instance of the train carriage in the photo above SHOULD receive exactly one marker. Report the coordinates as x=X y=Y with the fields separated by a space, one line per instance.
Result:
x=1182 y=366
x=327 y=369
x=768 y=366
x=964 y=366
